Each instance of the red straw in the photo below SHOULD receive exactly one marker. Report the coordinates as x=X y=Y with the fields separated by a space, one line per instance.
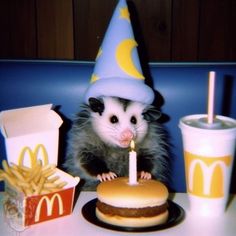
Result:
x=211 y=95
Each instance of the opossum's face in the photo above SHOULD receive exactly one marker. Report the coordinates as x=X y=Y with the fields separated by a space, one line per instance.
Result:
x=117 y=122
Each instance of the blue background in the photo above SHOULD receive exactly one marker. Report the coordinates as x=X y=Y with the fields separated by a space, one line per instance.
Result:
x=181 y=89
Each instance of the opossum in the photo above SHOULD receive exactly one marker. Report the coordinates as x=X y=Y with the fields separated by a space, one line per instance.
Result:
x=99 y=141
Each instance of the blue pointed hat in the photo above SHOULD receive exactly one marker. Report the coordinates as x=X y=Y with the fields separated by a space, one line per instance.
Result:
x=117 y=71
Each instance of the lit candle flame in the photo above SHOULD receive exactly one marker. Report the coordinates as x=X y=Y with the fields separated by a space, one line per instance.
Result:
x=132 y=145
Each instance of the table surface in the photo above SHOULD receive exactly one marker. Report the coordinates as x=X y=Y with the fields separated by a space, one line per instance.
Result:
x=76 y=224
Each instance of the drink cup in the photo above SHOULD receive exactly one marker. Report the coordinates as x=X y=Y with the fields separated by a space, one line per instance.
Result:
x=209 y=156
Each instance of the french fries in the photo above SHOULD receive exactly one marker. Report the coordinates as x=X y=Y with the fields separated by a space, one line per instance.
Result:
x=34 y=180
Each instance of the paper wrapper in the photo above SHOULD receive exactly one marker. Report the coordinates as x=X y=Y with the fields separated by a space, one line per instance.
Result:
x=32 y=134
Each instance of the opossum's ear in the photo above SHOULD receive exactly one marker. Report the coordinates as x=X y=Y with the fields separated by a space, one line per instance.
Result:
x=151 y=114
x=96 y=105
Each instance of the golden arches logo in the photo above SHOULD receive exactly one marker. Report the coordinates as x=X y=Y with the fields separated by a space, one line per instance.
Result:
x=49 y=206
x=206 y=176
x=33 y=155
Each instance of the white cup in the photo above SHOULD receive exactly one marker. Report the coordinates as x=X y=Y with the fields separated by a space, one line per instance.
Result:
x=209 y=156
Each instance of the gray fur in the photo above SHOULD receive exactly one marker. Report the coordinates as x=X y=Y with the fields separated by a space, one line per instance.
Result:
x=83 y=140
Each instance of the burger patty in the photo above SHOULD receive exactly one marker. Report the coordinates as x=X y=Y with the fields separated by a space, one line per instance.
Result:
x=131 y=212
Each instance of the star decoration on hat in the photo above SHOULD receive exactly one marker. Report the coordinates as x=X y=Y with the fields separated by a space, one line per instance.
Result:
x=93 y=78
x=124 y=13
x=99 y=53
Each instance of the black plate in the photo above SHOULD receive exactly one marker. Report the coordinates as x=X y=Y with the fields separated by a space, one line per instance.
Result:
x=176 y=215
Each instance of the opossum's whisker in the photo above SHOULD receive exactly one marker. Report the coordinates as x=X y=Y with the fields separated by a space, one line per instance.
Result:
x=81 y=126
x=140 y=124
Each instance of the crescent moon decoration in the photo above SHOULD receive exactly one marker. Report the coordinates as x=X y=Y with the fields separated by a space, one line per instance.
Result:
x=124 y=58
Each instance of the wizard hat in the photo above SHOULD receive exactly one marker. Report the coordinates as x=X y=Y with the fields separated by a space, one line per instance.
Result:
x=117 y=72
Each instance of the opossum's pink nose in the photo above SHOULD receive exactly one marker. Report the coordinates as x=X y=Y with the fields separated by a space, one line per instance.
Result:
x=126 y=136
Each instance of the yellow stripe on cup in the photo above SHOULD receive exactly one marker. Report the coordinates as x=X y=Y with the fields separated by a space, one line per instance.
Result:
x=206 y=176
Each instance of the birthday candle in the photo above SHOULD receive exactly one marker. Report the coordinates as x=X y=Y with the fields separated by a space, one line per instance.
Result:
x=132 y=165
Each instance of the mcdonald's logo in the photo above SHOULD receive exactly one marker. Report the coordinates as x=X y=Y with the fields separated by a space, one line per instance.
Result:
x=49 y=206
x=33 y=155
x=206 y=176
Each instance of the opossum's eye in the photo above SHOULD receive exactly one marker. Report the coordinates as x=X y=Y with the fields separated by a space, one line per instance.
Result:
x=133 y=120
x=114 y=119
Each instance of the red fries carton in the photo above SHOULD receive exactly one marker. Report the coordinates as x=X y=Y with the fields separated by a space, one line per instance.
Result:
x=36 y=190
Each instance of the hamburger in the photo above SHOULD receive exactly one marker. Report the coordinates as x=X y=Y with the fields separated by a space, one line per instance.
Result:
x=141 y=205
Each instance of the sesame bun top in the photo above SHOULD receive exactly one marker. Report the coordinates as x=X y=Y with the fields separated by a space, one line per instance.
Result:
x=119 y=193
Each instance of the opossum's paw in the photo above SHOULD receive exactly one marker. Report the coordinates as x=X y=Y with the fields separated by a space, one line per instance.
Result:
x=145 y=175
x=106 y=176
